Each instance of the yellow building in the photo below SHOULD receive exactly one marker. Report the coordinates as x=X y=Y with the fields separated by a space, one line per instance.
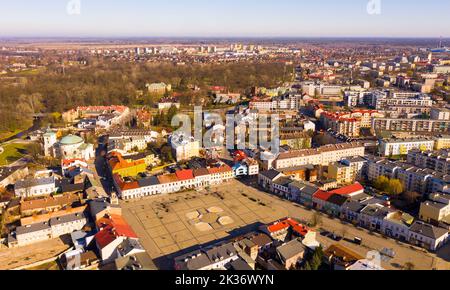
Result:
x=442 y=142
x=296 y=141
x=149 y=159
x=342 y=173
x=122 y=167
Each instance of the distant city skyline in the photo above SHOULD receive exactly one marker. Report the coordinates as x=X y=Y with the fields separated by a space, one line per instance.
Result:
x=220 y=18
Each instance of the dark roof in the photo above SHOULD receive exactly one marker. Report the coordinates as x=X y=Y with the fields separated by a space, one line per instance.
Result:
x=221 y=252
x=353 y=206
x=428 y=230
x=5 y=172
x=149 y=181
x=98 y=205
x=291 y=249
x=270 y=174
x=201 y=172
x=32 y=228
x=192 y=261
x=72 y=187
x=261 y=240
x=337 y=199
x=240 y=265
x=67 y=219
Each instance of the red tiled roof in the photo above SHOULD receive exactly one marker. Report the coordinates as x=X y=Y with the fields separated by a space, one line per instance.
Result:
x=67 y=162
x=348 y=190
x=277 y=227
x=111 y=228
x=288 y=223
x=125 y=185
x=221 y=169
x=323 y=195
x=186 y=174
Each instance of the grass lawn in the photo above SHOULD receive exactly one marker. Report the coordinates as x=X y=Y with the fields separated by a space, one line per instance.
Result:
x=12 y=153
x=6 y=135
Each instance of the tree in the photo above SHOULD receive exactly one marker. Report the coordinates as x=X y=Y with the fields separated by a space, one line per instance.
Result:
x=409 y=266
x=411 y=197
x=395 y=187
x=316 y=220
x=381 y=183
x=35 y=151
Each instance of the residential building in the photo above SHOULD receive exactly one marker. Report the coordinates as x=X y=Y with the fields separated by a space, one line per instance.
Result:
x=442 y=142
x=184 y=148
x=296 y=141
x=35 y=187
x=291 y=253
x=113 y=230
x=340 y=257
x=50 y=229
x=118 y=165
x=396 y=147
x=428 y=236
x=441 y=114
x=436 y=210
x=320 y=156
x=435 y=160
x=217 y=257
x=347 y=171
x=411 y=125
x=10 y=175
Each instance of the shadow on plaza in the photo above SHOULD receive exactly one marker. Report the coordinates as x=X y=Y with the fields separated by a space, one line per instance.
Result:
x=167 y=262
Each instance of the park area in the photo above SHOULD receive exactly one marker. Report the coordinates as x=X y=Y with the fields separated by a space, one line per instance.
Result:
x=12 y=152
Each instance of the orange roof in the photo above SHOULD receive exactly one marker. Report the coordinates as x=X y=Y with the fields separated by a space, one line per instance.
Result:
x=185 y=174
x=117 y=162
x=111 y=227
x=67 y=162
x=288 y=223
x=125 y=185
x=170 y=178
x=221 y=169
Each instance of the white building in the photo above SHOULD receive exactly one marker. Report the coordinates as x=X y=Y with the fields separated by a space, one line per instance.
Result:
x=428 y=236
x=184 y=148
x=35 y=187
x=395 y=147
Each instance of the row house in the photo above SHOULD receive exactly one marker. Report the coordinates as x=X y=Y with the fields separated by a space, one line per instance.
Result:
x=320 y=156
x=35 y=187
x=51 y=229
x=170 y=183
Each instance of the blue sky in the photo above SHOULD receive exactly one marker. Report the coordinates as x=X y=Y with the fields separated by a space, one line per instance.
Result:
x=225 y=18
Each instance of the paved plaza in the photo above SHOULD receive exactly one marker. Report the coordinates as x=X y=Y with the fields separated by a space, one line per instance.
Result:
x=170 y=223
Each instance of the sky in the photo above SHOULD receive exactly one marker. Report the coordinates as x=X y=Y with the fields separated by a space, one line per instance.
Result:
x=225 y=18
